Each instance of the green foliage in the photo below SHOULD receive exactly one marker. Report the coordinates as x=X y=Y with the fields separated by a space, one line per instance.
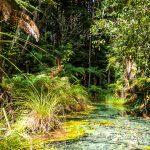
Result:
x=96 y=71
x=95 y=89
x=14 y=141
x=43 y=111
x=142 y=83
x=67 y=52
x=113 y=48
x=39 y=100
x=127 y=29
x=25 y=5
x=20 y=81
x=116 y=87
x=42 y=96
x=71 y=71
x=20 y=140
x=97 y=93
x=122 y=27
x=142 y=103
x=114 y=100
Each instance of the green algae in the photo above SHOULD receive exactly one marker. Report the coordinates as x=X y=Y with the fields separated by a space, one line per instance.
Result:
x=146 y=147
x=72 y=130
x=104 y=123
x=143 y=147
x=76 y=129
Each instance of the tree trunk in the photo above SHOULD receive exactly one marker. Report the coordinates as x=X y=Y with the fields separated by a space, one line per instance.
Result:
x=129 y=75
x=109 y=73
x=1 y=61
x=90 y=49
x=91 y=9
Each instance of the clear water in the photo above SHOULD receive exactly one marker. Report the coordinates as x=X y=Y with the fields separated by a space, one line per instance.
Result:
x=126 y=134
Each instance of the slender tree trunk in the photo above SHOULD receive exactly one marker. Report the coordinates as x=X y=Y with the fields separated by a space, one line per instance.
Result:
x=100 y=81
x=95 y=80
x=84 y=80
x=91 y=7
x=1 y=61
x=109 y=73
x=90 y=49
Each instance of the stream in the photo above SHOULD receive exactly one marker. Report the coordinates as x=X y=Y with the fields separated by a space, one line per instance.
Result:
x=127 y=132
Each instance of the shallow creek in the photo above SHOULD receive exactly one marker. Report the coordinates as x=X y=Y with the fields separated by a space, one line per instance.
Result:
x=119 y=132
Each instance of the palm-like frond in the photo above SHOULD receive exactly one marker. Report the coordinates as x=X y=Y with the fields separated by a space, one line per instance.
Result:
x=5 y=9
x=20 y=18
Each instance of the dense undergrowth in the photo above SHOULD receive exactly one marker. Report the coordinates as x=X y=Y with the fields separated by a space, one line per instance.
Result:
x=36 y=106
